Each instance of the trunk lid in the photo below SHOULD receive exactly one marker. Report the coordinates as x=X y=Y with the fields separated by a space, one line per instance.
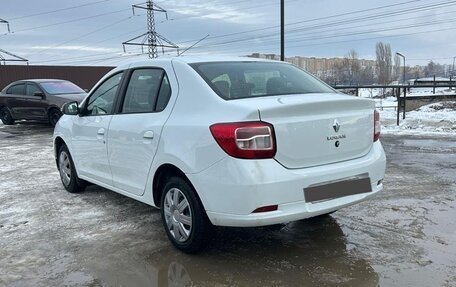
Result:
x=317 y=129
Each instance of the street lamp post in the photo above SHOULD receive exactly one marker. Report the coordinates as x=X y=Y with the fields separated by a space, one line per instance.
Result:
x=405 y=91
x=403 y=57
x=452 y=73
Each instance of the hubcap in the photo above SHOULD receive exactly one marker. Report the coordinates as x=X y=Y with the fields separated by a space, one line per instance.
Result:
x=65 y=168
x=178 y=214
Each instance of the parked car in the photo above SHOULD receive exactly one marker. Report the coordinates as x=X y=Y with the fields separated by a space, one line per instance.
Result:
x=38 y=99
x=225 y=141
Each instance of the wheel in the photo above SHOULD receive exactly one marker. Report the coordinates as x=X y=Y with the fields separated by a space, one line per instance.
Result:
x=54 y=116
x=6 y=117
x=184 y=217
x=68 y=175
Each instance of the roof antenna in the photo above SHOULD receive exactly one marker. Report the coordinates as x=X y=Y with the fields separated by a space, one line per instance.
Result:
x=179 y=54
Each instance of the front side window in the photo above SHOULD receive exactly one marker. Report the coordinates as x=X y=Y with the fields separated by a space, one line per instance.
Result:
x=18 y=89
x=32 y=89
x=101 y=102
x=238 y=80
x=142 y=91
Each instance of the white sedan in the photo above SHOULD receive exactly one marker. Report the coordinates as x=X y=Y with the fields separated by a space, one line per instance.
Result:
x=227 y=142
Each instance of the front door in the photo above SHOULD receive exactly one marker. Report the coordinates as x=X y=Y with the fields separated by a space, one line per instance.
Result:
x=90 y=131
x=36 y=105
x=134 y=132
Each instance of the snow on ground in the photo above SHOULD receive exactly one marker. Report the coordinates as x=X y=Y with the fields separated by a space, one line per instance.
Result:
x=433 y=119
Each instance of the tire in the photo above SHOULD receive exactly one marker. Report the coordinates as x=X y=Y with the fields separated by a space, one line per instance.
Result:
x=68 y=175
x=188 y=229
x=54 y=116
x=6 y=116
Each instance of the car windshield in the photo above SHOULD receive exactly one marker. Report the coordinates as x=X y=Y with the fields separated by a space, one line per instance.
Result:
x=238 y=80
x=61 y=87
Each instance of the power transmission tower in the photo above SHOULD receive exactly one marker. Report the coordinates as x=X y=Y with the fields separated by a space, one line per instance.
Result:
x=151 y=38
x=15 y=58
x=7 y=24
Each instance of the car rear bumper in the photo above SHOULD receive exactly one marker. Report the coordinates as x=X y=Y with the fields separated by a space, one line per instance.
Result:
x=232 y=189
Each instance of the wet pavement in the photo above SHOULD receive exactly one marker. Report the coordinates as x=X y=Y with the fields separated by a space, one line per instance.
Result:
x=405 y=236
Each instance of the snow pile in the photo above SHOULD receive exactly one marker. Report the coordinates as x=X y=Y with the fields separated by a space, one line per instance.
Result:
x=433 y=119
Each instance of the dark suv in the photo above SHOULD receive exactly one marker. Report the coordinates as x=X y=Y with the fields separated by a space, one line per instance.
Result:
x=37 y=100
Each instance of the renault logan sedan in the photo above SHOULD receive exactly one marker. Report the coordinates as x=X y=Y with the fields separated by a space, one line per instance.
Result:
x=37 y=99
x=225 y=142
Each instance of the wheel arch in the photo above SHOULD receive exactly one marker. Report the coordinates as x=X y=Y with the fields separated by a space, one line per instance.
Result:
x=50 y=108
x=164 y=172
x=58 y=142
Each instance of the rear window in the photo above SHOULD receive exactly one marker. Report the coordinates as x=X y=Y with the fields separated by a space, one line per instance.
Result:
x=56 y=88
x=238 y=80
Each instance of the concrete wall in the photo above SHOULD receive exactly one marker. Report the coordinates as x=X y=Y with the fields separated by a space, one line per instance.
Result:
x=84 y=76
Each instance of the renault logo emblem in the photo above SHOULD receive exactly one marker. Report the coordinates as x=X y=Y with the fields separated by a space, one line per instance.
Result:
x=336 y=126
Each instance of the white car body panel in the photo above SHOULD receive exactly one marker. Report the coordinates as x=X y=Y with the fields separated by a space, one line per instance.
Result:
x=250 y=184
x=140 y=133
x=229 y=188
x=89 y=147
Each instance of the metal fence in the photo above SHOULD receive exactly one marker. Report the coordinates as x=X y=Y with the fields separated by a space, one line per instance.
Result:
x=400 y=91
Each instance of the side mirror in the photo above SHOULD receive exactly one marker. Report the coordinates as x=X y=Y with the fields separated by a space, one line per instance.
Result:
x=39 y=94
x=86 y=90
x=71 y=108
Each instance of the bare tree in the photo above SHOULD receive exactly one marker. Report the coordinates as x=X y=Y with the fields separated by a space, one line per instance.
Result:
x=353 y=67
x=384 y=63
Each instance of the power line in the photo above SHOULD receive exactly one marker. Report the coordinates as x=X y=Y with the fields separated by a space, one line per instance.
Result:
x=71 y=21
x=58 y=10
x=84 y=35
x=240 y=9
x=336 y=23
x=309 y=20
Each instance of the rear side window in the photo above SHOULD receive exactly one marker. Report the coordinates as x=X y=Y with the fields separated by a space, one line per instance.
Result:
x=163 y=95
x=148 y=91
x=18 y=89
x=238 y=80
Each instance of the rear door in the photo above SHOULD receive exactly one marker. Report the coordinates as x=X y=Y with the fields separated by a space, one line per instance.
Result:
x=16 y=100
x=134 y=132
x=90 y=131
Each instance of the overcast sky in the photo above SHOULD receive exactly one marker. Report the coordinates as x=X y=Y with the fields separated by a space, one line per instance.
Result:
x=57 y=32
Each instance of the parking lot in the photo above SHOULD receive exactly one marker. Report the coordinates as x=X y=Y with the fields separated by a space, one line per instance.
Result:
x=403 y=237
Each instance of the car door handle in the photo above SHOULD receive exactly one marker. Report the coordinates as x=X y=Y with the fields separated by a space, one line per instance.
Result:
x=148 y=135
x=101 y=132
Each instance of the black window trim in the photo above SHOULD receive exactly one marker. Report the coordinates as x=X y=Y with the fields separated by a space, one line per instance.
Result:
x=116 y=96
x=119 y=107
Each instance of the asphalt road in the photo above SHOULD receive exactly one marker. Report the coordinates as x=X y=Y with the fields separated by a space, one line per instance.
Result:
x=405 y=236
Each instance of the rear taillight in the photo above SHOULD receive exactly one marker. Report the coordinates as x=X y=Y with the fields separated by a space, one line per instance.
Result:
x=248 y=140
x=376 y=125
